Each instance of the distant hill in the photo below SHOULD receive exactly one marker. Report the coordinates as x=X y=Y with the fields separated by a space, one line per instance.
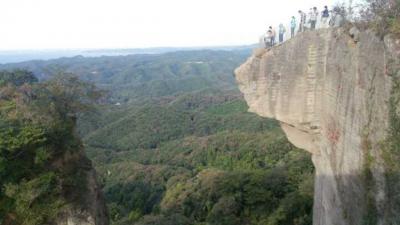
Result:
x=136 y=76
x=15 y=56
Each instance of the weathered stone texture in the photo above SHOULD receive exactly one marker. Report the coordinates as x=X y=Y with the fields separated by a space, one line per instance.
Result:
x=330 y=94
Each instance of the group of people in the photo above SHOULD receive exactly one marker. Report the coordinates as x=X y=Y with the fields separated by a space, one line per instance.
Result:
x=271 y=35
x=307 y=21
x=313 y=18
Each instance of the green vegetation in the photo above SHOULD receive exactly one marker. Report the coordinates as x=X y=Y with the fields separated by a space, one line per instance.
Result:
x=259 y=174
x=200 y=150
x=181 y=148
x=195 y=155
x=37 y=123
x=193 y=114
x=131 y=78
x=383 y=16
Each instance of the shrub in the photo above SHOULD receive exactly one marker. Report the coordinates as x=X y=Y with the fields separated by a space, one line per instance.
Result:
x=383 y=16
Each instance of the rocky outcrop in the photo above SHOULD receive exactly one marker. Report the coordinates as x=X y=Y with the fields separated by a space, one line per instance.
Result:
x=329 y=89
x=86 y=203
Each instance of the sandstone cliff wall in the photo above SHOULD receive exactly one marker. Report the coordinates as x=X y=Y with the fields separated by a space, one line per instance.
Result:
x=330 y=90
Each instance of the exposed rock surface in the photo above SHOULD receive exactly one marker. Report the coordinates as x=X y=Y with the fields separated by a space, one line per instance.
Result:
x=89 y=206
x=329 y=89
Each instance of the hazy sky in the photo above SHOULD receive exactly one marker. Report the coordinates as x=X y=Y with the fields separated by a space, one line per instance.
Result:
x=49 y=24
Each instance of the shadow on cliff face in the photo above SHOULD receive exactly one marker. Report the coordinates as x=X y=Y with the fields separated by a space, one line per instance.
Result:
x=356 y=202
x=363 y=199
x=363 y=204
x=391 y=153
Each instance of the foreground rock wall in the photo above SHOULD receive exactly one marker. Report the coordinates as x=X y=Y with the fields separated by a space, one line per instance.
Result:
x=329 y=90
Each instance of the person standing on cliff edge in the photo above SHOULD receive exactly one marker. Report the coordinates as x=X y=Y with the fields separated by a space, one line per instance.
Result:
x=267 y=39
x=325 y=17
x=273 y=35
x=303 y=18
x=282 y=31
x=313 y=18
x=292 y=26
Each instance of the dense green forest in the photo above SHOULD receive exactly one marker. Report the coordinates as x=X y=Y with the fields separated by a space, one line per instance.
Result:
x=212 y=165
x=173 y=142
x=131 y=78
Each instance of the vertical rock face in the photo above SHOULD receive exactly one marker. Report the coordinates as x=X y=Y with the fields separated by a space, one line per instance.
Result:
x=89 y=206
x=329 y=90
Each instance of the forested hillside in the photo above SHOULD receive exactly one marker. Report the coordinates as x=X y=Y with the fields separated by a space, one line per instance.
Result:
x=131 y=78
x=44 y=174
x=174 y=143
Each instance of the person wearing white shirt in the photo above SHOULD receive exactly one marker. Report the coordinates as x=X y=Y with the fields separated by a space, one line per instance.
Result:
x=313 y=18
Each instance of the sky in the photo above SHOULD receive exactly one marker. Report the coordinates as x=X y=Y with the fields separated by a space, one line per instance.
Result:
x=75 y=24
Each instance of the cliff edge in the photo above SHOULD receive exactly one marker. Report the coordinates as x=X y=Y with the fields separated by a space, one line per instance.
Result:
x=330 y=90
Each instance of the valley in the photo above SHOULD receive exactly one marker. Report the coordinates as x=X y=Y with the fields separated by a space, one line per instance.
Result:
x=173 y=142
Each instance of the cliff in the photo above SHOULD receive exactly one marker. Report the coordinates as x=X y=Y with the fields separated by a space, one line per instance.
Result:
x=330 y=91
x=86 y=201
x=45 y=177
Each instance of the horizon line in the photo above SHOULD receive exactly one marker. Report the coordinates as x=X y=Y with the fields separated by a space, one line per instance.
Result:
x=126 y=48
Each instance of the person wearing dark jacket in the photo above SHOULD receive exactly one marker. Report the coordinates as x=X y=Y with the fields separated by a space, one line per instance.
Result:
x=325 y=17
